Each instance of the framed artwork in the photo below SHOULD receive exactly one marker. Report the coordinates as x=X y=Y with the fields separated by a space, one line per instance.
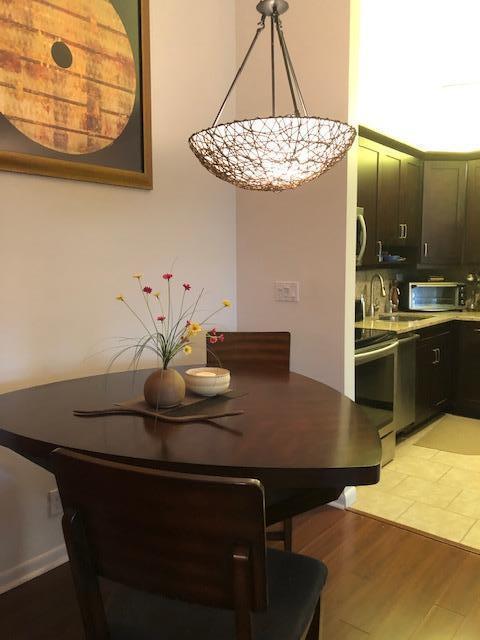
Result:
x=75 y=90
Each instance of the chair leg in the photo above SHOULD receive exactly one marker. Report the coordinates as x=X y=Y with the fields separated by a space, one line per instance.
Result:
x=314 y=629
x=284 y=535
x=288 y=534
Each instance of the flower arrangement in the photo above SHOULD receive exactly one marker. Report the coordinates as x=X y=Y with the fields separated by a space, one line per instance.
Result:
x=167 y=333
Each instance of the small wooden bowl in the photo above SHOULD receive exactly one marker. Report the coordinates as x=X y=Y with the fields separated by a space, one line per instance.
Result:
x=208 y=381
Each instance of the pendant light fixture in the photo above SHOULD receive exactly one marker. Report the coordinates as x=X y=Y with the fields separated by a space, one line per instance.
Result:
x=277 y=152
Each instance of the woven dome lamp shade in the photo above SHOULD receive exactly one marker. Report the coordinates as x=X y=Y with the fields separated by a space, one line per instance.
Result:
x=276 y=152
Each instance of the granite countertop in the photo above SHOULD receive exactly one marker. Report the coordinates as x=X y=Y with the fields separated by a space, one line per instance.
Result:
x=430 y=320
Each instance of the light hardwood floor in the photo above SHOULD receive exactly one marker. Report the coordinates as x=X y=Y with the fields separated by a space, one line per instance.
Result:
x=385 y=583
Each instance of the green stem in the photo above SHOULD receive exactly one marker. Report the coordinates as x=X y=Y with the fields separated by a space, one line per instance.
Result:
x=196 y=304
x=169 y=308
x=212 y=314
x=138 y=318
x=155 y=328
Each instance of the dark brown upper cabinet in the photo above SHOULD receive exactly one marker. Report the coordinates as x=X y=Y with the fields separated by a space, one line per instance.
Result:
x=390 y=192
x=444 y=193
x=411 y=196
x=471 y=253
x=389 y=171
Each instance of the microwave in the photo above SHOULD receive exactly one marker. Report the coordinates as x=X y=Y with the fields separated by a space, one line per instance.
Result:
x=432 y=296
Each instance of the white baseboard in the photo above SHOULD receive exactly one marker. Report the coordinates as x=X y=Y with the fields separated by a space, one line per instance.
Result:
x=32 y=568
x=346 y=499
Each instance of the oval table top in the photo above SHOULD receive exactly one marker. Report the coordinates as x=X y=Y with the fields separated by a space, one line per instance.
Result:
x=295 y=432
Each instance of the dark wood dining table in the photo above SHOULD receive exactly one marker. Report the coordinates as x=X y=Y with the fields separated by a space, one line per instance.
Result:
x=294 y=432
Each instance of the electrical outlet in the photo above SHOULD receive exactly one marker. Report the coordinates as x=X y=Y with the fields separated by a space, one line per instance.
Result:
x=54 y=504
x=287 y=291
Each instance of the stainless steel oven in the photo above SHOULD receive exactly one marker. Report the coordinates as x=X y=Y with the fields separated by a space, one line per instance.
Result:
x=376 y=384
x=433 y=296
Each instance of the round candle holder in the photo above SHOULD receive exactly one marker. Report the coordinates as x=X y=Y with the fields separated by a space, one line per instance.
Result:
x=208 y=381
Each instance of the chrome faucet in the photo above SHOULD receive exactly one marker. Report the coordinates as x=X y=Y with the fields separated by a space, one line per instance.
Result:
x=374 y=307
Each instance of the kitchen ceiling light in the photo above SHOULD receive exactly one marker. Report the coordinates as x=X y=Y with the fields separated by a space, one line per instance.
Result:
x=278 y=152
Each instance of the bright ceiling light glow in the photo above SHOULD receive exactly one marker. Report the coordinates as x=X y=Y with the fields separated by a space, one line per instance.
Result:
x=272 y=154
x=419 y=76
x=278 y=152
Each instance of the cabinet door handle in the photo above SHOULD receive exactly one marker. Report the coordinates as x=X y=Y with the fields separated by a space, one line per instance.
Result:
x=425 y=249
x=380 y=250
x=439 y=356
x=406 y=231
x=401 y=232
x=434 y=356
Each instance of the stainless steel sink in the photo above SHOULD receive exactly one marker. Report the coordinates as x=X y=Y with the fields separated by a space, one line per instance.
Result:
x=403 y=317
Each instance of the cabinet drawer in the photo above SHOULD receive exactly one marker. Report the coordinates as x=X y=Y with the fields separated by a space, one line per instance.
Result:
x=435 y=331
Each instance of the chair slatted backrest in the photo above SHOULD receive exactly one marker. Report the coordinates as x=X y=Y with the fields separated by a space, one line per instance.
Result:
x=253 y=349
x=167 y=533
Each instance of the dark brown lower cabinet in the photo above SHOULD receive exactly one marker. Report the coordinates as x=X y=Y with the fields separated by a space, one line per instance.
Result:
x=467 y=396
x=435 y=372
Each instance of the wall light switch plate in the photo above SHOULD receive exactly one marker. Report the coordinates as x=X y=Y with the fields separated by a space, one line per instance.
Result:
x=287 y=291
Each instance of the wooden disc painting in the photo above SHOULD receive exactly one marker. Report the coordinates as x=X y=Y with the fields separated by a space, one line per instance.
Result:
x=67 y=72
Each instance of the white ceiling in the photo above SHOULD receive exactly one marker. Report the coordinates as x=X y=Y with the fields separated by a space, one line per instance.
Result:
x=419 y=78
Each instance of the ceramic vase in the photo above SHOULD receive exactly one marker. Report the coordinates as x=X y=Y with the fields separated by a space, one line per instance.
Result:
x=164 y=388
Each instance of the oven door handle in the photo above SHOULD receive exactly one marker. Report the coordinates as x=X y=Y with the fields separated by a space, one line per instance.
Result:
x=369 y=355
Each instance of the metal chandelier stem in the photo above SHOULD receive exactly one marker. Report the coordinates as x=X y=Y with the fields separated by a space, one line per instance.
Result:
x=295 y=91
x=292 y=76
x=261 y=27
x=272 y=48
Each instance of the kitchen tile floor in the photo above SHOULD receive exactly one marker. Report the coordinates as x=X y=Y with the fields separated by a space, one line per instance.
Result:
x=429 y=490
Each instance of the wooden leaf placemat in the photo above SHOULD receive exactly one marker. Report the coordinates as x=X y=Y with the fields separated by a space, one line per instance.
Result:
x=187 y=407
x=187 y=411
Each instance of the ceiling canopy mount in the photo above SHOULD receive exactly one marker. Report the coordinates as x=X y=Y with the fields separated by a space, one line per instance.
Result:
x=269 y=7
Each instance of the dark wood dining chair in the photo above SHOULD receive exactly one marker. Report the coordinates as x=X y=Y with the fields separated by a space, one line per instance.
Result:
x=270 y=352
x=183 y=555
x=251 y=349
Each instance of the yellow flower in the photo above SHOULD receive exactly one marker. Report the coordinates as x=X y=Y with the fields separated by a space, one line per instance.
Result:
x=194 y=328
x=226 y=303
x=137 y=275
x=120 y=297
x=187 y=349
x=157 y=294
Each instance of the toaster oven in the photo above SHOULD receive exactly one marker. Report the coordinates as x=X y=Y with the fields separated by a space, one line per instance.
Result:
x=432 y=296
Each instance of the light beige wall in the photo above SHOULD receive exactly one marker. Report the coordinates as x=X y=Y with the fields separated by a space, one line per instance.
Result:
x=301 y=235
x=67 y=249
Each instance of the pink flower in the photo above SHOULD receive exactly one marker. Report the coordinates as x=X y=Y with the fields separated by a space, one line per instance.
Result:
x=167 y=276
x=161 y=318
x=221 y=337
x=213 y=339
x=213 y=332
x=187 y=286
x=188 y=323
x=147 y=289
